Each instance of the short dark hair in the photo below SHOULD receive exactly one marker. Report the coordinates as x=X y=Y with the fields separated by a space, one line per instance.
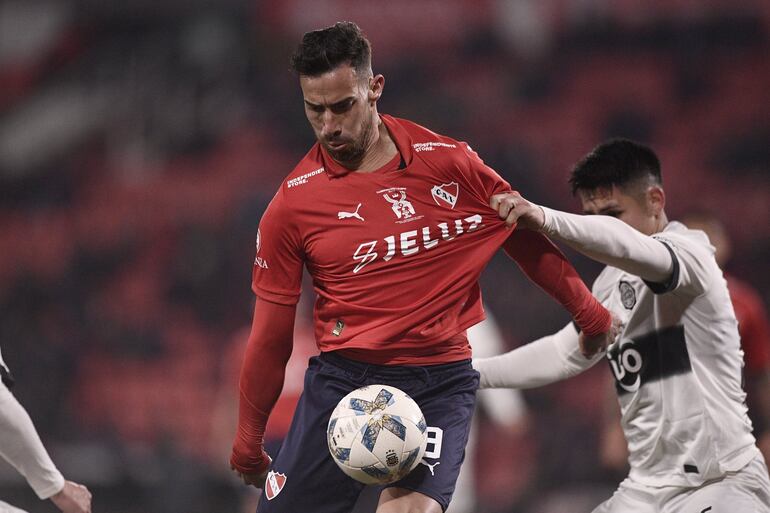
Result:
x=324 y=49
x=618 y=162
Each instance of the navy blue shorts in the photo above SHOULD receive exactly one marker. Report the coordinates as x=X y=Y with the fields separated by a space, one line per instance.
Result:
x=305 y=478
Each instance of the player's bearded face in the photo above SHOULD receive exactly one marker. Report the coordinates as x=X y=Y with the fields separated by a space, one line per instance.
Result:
x=338 y=108
x=354 y=146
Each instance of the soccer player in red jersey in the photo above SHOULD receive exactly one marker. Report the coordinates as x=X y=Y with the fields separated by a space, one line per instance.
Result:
x=393 y=223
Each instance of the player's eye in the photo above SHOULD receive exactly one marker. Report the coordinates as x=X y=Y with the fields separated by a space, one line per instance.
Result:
x=344 y=106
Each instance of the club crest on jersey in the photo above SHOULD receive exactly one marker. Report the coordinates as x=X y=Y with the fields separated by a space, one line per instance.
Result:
x=259 y=261
x=445 y=194
x=274 y=484
x=402 y=207
x=627 y=295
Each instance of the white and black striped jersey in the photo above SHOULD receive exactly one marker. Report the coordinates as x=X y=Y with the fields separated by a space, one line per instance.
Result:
x=678 y=367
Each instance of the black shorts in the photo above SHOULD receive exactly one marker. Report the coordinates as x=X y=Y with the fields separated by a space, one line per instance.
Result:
x=304 y=476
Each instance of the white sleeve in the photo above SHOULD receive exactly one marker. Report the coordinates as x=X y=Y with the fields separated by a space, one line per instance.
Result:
x=503 y=407
x=546 y=360
x=612 y=242
x=21 y=446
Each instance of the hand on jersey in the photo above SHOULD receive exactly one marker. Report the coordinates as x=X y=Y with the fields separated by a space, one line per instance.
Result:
x=591 y=346
x=255 y=479
x=517 y=211
x=73 y=498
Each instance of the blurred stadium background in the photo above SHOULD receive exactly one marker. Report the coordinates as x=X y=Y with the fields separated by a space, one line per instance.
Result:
x=141 y=140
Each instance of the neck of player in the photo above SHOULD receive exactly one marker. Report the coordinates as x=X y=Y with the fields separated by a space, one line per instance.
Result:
x=380 y=150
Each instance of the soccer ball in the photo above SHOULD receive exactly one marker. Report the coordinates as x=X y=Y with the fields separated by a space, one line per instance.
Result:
x=377 y=434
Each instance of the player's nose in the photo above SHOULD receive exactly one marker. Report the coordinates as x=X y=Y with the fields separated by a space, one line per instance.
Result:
x=331 y=126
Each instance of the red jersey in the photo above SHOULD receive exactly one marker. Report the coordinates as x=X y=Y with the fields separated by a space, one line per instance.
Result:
x=394 y=254
x=752 y=325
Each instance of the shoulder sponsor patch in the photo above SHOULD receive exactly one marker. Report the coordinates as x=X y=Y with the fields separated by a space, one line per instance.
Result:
x=303 y=179
x=431 y=146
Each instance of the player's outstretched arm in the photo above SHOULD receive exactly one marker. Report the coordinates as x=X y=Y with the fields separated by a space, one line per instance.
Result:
x=546 y=360
x=261 y=381
x=21 y=446
x=546 y=266
x=602 y=238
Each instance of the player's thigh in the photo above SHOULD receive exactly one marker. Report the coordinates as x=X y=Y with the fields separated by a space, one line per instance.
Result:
x=627 y=499
x=447 y=401
x=401 y=500
x=303 y=476
x=745 y=491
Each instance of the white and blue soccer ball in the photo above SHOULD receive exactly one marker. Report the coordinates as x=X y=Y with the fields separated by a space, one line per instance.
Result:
x=377 y=434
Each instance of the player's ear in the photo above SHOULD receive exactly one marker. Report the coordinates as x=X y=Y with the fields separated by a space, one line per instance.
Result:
x=656 y=199
x=376 y=84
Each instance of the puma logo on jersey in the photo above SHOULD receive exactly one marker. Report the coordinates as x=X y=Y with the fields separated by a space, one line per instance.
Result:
x=413 y=241
x=430 y=467
x=347 y=215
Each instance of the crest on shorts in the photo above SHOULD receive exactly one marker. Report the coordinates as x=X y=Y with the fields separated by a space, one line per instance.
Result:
x=274 y=484
x=445 y=194
x=627 y=295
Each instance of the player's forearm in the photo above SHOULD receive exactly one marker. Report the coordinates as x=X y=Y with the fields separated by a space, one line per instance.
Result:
x=21 y=446
x=546 y=266
x=546 y=360
x=261 y=381
x=612 y=242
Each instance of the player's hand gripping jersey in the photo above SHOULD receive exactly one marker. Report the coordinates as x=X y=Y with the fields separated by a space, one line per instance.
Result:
x=395 y=255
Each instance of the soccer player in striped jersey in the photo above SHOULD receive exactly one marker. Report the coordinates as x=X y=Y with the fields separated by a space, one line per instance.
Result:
x=677 y=362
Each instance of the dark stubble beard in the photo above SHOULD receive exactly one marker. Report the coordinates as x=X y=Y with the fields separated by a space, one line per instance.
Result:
x=352 y=156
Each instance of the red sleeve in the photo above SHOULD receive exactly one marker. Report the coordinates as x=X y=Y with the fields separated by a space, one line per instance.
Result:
x=546 y=265
x=277 y=272
x=489 y=181
x=262 y=374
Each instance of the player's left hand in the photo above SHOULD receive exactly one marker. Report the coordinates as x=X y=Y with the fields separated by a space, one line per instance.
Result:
x=256 y=480
x=517 y=211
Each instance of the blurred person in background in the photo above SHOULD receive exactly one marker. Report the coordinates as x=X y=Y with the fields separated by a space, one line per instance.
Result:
x=677 y=363
x=504 y=408
x=21 y=446
x=389 y=307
